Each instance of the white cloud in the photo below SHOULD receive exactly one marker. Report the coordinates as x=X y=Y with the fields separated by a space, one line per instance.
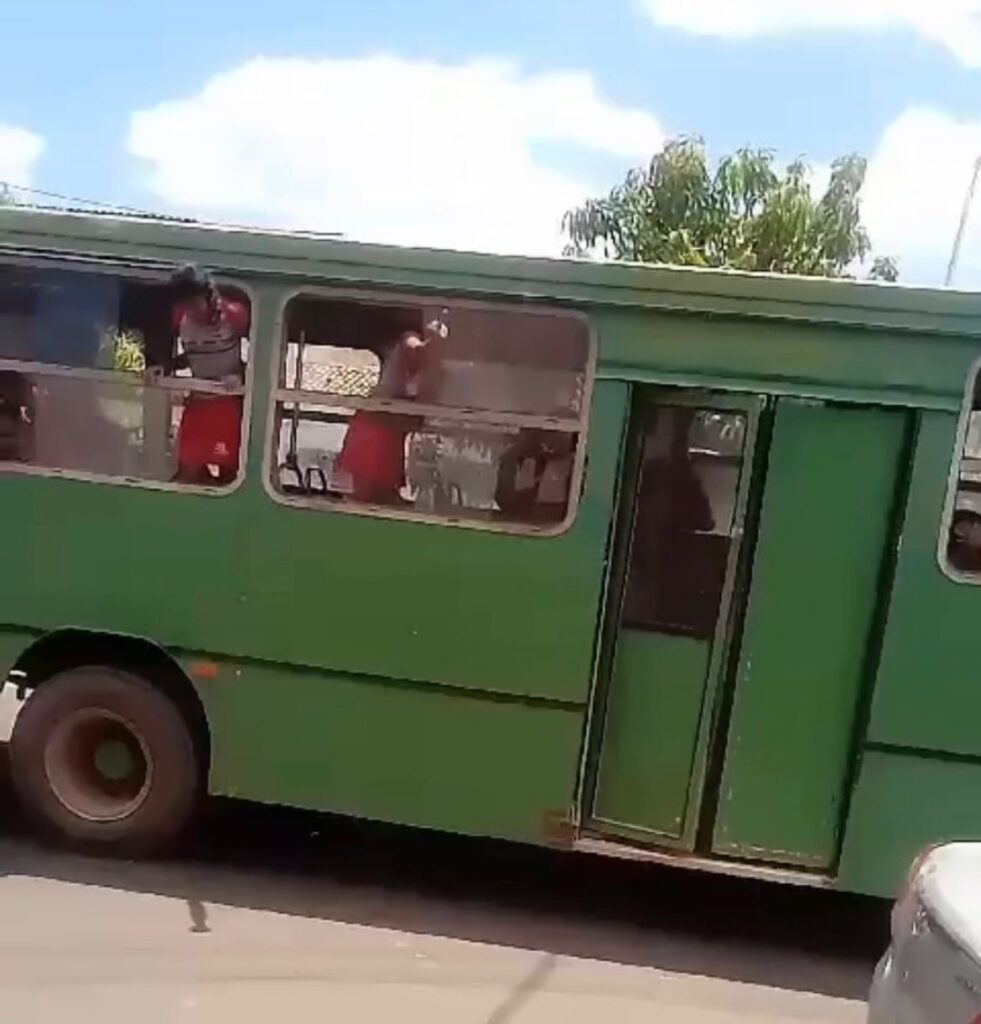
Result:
x=915 y=190
x=387 y=149
x=19 y=151
x=955 y=24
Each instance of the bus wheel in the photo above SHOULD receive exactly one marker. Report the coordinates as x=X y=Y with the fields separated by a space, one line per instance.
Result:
x=103 y=761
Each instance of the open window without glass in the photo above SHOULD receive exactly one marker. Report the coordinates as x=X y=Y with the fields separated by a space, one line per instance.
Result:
x=96 y=378
x=963 y=540
x=469 y=413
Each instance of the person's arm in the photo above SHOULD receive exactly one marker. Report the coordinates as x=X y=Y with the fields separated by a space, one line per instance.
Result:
x=174 y=360
x=237 y=315
x=238 y=318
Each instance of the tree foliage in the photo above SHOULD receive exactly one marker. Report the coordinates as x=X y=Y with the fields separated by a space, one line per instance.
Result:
x=745 y=215
x=123 y=351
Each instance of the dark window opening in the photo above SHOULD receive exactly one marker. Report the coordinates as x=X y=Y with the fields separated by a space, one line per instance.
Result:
x=449 y=410
x=684 y=516
x=964 y=536
x=91 y=378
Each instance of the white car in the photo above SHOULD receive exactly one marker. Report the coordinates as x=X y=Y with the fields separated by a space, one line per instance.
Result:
x=932 y=971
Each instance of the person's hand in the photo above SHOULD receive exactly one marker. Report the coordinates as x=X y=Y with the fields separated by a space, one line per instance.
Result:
x=231 y=381
x=437 y=329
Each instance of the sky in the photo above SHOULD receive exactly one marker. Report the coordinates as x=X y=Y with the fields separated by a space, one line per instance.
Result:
x=475 y=126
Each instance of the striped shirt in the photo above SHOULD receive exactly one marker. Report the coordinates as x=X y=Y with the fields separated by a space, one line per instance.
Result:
x=213 y=351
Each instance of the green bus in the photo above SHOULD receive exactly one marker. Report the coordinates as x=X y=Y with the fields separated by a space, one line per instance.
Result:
x=672 y=565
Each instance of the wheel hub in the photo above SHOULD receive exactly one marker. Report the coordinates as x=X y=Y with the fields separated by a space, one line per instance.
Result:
x=98 y=765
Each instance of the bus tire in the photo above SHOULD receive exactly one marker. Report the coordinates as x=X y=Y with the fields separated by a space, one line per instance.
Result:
x=103 y=762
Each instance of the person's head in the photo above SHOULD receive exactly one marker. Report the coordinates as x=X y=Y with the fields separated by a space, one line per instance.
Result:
x=966 y=528
x=403 y=367
x=195 y=291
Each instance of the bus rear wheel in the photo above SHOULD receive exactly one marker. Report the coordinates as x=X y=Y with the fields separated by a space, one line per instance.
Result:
x=104 y=762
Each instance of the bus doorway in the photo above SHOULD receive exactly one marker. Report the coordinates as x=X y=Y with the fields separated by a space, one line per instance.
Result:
x=684 y=503
x=754 y=553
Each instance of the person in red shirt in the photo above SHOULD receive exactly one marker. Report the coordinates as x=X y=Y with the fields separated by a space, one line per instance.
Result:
x=210 y=328
x=373 y=453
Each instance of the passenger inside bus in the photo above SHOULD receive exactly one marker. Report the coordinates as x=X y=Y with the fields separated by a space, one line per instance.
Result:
x=964 y=538
x=677 y=559
x=210 y=328
x=533 y=476
x=16 y=419
x=964 y=550
x=373 y=452
x=470 y=371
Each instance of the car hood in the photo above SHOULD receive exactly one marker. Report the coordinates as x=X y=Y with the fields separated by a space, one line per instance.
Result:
x=948 y=884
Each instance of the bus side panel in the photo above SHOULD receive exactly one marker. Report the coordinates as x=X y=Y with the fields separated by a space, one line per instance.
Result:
x=153 y=563
x=392 y=752
x=903 y=803
x=651 y=731
x=927 y=697
x=786 y=358
x=827 y=507
x=242 y=576
x=437 y=603
x=928 y=688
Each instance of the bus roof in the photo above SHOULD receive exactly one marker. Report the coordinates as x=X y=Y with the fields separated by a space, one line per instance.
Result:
x=301 y=255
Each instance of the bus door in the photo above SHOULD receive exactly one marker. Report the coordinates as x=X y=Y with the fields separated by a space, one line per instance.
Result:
x=740 y=656
x=828 y=530
x=684 y=501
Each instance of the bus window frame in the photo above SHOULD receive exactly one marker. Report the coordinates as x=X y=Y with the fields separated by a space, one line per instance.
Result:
x=462 y=416
x=186 y=385
x=953 y=479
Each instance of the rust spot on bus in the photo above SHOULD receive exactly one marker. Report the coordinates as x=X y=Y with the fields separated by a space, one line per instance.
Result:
x=205 y=669
x=558 y=829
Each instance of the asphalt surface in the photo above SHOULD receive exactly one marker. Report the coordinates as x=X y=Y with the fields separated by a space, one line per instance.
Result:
x=280 y=914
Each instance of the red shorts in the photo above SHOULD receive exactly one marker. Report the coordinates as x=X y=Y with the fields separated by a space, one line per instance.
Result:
x=210 y=432
x=374 y=455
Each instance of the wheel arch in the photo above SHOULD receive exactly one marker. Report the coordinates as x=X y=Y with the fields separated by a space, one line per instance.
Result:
x=63 y=649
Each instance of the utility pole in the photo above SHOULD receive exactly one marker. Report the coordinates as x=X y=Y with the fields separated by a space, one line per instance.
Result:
x=965 y=213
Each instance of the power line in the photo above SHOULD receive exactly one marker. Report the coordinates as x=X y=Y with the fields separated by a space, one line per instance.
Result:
x=962 y=223
x=99 y=206
x=10 y=186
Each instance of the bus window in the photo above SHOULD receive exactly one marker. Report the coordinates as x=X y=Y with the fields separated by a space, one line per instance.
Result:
x=963 y=552
x=470 y=414
x=89 y=378
x=683 y=519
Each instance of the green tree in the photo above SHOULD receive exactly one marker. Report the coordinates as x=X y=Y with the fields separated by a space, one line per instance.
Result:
x=123 y=351
x=744 y=215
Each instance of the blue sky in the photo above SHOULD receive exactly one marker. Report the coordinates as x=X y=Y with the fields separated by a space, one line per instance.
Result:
x=475 y=125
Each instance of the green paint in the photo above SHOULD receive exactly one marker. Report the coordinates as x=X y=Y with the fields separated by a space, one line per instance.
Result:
x=402 y=600
x=902 y=804
x=790 y=358
x=652 y=722
x=466 y=608
x=829 y=495
x=392 y=752
x=766 y=333
x=928 y=691
x=440 y=676
x=724 y=293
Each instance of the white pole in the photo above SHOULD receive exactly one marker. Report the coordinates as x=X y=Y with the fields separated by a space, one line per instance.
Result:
x=955 y=254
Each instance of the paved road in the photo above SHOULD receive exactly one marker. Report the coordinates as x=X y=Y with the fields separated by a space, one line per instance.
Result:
x=276 y=915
